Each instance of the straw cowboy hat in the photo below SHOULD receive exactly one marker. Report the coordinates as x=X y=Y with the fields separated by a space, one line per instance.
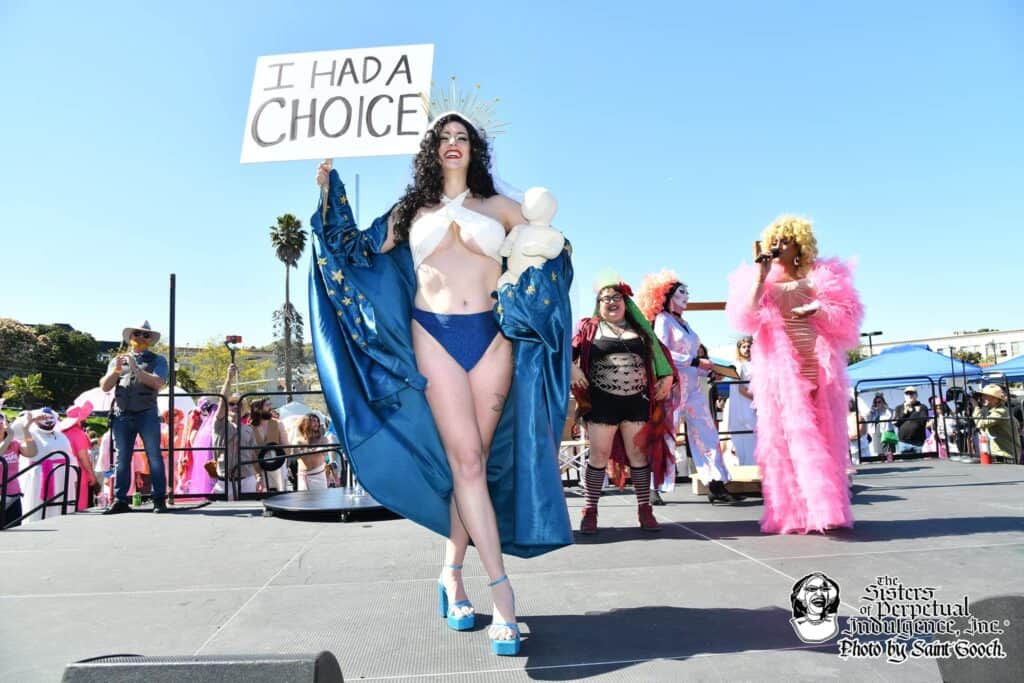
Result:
x=144 y=326
x=995 y=391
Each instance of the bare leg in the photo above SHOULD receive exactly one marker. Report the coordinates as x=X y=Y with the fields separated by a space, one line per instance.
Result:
x=455 y=555
x=466 y=409
x=636 y=457
x=602 y=437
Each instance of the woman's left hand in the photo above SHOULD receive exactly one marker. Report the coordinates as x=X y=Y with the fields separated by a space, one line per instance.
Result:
x=661 y=389
x=805 y=311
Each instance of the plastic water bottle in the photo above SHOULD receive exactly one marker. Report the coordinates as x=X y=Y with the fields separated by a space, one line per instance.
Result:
x=137 y=499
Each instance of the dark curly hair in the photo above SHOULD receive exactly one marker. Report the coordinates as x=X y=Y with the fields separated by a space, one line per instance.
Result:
x=428 y=182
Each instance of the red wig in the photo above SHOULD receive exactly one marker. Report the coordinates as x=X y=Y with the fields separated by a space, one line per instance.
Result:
x=655 y=290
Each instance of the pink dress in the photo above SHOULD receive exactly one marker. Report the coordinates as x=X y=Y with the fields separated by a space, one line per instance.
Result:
x=199 y=481
x=790 y=295
x=80 y=440
x=802 y=446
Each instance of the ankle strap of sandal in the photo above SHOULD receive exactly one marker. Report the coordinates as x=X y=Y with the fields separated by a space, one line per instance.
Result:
x=503 y=579
x=454 y=566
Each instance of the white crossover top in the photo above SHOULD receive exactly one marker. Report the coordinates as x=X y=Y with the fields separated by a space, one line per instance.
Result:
x=429 y=229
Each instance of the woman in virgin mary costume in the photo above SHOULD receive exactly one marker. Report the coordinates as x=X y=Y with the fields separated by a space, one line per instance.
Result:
x=449 y=405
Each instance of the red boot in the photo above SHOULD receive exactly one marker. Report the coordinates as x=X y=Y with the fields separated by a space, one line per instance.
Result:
x=647 y=520
x=589 y=523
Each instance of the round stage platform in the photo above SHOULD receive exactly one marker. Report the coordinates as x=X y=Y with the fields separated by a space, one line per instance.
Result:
x=340 y=501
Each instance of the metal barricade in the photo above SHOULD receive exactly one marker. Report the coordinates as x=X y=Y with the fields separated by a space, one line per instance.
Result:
x=61 y=494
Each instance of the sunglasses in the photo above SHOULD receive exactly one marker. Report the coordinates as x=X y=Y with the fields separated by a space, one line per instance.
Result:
x=232 y=404
x=141 y=335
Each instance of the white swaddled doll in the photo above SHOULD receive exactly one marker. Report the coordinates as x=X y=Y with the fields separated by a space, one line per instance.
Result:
x=531 y=244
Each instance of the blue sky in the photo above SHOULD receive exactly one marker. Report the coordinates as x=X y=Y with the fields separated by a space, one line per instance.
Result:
x=671 y=133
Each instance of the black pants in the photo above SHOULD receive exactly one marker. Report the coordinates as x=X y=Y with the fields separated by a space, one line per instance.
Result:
x=13 y=511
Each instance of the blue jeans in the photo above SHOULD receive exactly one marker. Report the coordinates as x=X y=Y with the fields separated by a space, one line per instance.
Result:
x=904 y=447
x=124 y=427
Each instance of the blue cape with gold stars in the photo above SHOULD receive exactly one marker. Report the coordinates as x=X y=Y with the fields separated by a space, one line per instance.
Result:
x=360 y=303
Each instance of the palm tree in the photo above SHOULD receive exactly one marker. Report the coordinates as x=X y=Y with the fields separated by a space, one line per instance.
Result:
x=288 y=240
x=27 y=390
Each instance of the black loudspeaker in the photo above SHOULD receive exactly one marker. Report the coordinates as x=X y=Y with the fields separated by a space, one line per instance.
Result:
x=300 y=668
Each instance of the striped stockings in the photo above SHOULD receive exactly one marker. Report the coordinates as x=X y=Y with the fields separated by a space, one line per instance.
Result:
x=593 y=482
x=641 y=478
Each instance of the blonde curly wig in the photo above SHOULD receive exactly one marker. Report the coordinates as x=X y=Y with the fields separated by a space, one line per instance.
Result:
x=654 y=290
x=800 y=231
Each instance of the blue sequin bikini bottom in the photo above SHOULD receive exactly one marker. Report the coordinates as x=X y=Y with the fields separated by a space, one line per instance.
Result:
x=465 y=337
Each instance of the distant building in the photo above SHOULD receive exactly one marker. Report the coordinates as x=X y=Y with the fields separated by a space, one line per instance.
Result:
x=998 y=345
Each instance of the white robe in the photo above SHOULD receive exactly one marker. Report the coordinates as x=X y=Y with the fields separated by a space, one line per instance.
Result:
x=48 y=444
x=740 y=416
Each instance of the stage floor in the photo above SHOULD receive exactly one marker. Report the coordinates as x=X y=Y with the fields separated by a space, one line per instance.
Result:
x=706 y=599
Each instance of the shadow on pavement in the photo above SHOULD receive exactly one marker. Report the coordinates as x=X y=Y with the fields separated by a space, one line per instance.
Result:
x=619 y=638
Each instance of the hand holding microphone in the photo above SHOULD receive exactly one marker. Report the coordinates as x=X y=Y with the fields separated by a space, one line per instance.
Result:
x=765 y=257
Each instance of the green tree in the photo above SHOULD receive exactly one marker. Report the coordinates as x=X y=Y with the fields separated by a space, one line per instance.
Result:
x=973 y=357
x=287 y=320
x=69 y=361
x=288 y=240
x=28 y=390
x=19 y=349
x=854 y=356
x=186 y=382
x=211 y=366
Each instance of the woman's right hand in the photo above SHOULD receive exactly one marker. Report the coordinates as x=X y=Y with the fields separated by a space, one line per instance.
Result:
x=579 y=379
x=322 y=173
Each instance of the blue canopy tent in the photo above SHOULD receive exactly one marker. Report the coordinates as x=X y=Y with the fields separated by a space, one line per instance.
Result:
x=909 y=365
x=1012 y=369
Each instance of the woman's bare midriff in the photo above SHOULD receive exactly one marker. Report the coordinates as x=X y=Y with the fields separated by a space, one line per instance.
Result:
x=311 y=462
x=456 y=279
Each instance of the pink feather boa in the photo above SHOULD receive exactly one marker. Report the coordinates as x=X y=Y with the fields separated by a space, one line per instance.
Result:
x=802 y=447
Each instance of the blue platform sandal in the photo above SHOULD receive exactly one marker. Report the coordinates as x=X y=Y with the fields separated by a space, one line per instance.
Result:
x=456 y=623
x=505 y=648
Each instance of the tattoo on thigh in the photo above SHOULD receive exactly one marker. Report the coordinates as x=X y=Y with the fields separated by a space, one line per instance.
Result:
x=499 y=402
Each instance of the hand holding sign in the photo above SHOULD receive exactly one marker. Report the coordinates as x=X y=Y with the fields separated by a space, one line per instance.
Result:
x=322 y=173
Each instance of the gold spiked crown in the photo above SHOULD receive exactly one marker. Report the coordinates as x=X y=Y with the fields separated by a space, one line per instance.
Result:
x=469 y=105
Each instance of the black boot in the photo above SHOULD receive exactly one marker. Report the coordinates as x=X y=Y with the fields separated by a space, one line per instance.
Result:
x=717 y=493
x=656 y=498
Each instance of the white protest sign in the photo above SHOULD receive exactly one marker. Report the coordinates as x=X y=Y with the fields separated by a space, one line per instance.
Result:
x=339 y=103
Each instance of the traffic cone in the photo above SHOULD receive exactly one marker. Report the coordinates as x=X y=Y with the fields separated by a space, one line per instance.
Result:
x=984 y=452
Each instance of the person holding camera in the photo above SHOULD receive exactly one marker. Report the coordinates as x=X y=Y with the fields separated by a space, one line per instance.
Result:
x=993 y=419
x=236 y=468
x=911 y=420
x=136 y=377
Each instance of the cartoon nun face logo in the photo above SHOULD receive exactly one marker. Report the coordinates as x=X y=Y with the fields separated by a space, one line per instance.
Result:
x=815 y=600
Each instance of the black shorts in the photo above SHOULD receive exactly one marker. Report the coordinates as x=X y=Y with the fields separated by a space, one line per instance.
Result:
x=611 y=409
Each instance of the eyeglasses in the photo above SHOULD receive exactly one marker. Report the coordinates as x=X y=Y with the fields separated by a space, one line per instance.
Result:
x=612 y=299
x=141 y=334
